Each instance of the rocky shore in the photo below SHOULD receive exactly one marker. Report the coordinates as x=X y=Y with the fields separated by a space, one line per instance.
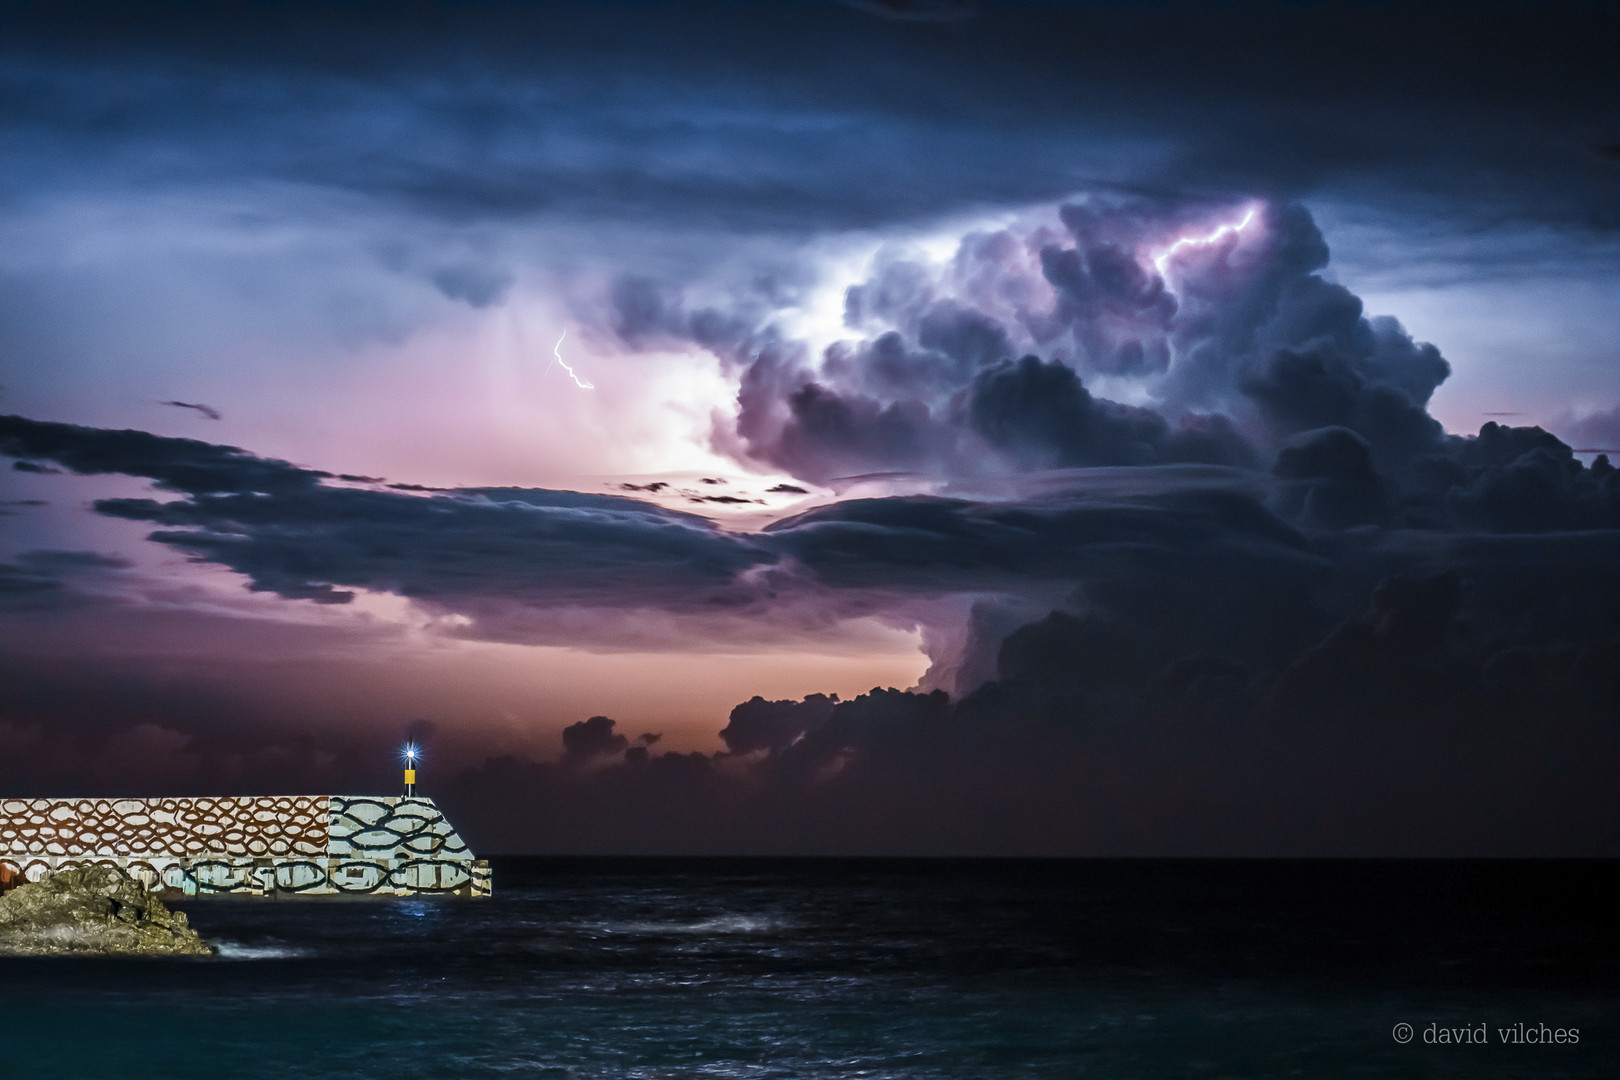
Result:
x=93 y=910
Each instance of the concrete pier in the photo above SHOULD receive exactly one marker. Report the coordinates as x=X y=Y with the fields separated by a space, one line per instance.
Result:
x=273 y=845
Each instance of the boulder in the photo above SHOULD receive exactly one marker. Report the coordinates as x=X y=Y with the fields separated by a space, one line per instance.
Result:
x=93 y=910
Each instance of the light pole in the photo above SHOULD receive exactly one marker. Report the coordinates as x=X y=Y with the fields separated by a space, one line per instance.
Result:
x=410 y=770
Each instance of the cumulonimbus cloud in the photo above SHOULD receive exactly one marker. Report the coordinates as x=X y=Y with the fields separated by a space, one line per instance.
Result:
x=1215 y=321
x=1276 y=424
x=1239 y=592
x=1220 y=582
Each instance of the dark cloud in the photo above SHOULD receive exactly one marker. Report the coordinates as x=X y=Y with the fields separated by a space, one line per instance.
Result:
x=827 y=433
x=526 y=545
x=290 y=533
x=204 y=410
x=475 y=286
x=1463 y=710
x=46 y=579
x=1334 y=484
x=758 y=724
x=487 y=553
x=1042 y=414
x=1221 y=659
x=725 y=500
x=71 y=562
x=174 y=464
x=1526 y=480
x=541 y=547
x=1427 y=718
x=391 y=109
x=590 y=739
x=936 y=545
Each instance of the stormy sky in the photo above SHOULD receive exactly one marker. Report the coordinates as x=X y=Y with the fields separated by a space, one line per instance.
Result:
x=822 y=427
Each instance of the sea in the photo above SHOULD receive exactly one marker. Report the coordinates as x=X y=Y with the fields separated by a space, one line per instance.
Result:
x=805 y=969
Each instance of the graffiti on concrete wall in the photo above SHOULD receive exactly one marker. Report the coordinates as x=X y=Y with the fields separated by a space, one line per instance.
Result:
x=273 y=825
x=265 y=846
x=410 y=827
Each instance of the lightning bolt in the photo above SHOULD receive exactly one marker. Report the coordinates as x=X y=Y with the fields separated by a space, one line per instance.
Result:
x=1161 y=261
x=556 y=350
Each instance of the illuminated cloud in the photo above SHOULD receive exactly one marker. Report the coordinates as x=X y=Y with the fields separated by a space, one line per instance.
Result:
x=1027 y=315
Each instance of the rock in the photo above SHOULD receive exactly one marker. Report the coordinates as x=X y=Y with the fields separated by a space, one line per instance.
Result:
x=94 y=910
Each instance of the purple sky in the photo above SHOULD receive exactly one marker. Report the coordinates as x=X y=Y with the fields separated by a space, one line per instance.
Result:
x=1109 y=382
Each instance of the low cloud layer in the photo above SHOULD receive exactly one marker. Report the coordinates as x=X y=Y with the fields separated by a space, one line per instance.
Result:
x=1233 y=662
x=1403 y=730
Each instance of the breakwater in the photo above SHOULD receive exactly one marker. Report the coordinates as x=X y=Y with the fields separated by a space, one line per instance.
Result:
x=273 y=845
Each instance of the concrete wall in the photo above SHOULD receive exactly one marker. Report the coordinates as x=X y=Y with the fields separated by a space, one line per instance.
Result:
x=285 y=845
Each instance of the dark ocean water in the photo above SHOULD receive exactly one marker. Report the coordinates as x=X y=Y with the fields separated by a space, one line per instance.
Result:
x=819 y=968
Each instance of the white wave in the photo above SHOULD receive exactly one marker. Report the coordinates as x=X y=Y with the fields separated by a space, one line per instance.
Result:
x=722 y=924
x=235 y=950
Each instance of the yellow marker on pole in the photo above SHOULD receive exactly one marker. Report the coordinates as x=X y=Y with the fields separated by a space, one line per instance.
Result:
x=410 y=771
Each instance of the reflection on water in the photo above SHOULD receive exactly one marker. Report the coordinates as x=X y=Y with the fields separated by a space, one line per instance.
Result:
x=810 y=969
